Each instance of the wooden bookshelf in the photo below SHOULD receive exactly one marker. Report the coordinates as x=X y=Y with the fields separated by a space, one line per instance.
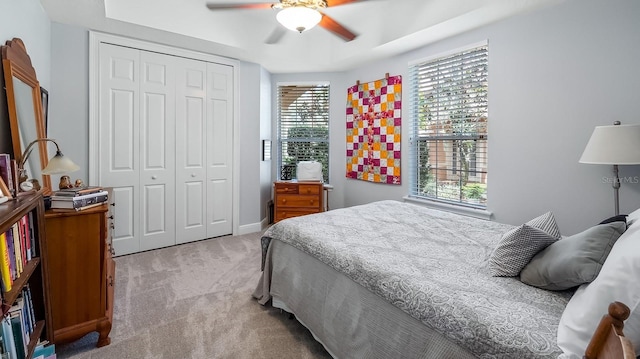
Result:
x=35 y=272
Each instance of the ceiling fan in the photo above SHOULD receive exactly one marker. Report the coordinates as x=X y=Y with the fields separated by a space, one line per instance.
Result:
x=297 y=15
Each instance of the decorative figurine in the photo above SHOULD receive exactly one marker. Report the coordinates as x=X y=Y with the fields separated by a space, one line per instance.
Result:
x=79 y=183
x=65 y=182
x=36 y=184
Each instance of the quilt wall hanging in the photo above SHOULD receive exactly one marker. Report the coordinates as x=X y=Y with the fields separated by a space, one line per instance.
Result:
x=374 y=130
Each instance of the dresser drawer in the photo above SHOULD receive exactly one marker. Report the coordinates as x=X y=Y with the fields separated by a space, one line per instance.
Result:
x=296 y=200
x=309 y=189
x=285 y=187
x=285 y=213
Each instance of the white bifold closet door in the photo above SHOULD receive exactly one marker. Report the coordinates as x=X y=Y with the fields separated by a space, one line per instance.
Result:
x=165 y=147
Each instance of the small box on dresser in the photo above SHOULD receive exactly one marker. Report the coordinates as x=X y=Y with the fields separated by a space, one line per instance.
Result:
x=293 y=199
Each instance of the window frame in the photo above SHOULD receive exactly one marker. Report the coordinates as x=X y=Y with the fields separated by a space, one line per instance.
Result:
x=283 y=140
x=479 y=136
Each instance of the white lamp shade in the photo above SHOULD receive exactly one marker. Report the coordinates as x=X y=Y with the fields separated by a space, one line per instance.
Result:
x=613 y=145
x=59 y=164
x=299 y=18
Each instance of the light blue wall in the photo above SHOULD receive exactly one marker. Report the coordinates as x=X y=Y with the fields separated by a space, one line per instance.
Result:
x=69 y=97
x=265 y=134
x=250 y=145
x=554 y=74
x=27 y=20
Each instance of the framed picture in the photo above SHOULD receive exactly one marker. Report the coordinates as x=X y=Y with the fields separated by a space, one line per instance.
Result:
x=45 y=109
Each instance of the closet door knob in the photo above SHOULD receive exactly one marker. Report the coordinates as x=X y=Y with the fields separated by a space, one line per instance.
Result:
x=154 y=177
x=193 y=175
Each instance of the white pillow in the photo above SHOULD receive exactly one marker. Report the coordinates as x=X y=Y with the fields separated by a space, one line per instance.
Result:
x=618 y=280
x=633 y=217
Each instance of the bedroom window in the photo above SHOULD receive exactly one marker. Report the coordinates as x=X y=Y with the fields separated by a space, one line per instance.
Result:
x=449 y=136
x=303 y=127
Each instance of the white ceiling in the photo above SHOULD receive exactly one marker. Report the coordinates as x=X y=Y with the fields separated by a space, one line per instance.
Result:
x=385 y=27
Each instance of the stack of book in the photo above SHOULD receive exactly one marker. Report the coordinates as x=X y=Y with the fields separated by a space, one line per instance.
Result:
x=79 y=198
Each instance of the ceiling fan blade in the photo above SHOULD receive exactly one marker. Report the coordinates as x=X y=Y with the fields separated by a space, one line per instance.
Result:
x=216 y=6
x=275 y=36
x=331 y=3
x=333 y=26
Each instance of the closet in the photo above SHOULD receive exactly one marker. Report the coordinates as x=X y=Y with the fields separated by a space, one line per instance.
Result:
x=165 y=146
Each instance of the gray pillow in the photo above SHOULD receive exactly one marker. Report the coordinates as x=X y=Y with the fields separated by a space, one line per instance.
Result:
x=574 y=260
x=519 y=245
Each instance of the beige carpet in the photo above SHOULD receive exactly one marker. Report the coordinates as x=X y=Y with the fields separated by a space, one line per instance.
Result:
x=194 y=301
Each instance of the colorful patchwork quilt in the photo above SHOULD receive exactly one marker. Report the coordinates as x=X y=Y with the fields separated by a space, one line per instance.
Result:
x=373 y=130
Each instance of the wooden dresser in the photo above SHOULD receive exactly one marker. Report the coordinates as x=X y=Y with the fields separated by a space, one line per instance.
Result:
x=82 y=273
x=293 y=199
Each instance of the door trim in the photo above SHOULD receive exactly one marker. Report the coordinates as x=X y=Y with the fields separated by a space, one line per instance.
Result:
x=95 y=38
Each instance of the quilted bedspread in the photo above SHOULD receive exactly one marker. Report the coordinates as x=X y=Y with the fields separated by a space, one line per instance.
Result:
x=433 y=265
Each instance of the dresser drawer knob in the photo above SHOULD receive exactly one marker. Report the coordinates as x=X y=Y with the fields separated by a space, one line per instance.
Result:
x=311 y=201
x=284 y=201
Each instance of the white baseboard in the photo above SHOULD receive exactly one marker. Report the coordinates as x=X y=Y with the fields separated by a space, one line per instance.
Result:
x=251 y=228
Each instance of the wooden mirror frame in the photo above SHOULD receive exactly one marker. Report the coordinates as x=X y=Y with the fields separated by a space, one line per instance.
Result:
x=17 y=64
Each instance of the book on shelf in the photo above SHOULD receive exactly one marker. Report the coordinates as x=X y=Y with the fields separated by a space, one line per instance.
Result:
x=7 y=337
x=23 y=241
x=15 y=316
x=16 y=249
x=78 y=191
x=12 y=255
x=5 y=264
x=61 y=202
x=26 y=293
x=44 y=349
x=32 y=237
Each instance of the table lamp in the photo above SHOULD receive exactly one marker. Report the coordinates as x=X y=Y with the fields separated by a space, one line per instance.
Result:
x=613 y=145
x=57 y=164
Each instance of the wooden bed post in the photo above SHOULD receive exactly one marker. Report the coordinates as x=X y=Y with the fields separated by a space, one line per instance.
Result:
x=608 y=340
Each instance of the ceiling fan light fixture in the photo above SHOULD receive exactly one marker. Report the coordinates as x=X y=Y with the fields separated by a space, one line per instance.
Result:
x=299 y=18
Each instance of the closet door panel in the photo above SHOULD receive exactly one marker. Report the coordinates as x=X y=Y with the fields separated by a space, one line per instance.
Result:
x=191 y=152
x=157 y=150
x=219 y=149
x=119 y=139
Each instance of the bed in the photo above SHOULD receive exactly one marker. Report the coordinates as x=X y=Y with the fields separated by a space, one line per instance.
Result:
x=395 y=280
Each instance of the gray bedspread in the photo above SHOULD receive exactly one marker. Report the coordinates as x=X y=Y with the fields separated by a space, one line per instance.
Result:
x=433 y=266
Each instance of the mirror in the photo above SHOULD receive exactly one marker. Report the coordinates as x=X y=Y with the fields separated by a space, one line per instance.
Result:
x=25 y=109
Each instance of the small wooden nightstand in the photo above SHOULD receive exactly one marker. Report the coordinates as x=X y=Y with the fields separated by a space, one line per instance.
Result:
x=293 y=199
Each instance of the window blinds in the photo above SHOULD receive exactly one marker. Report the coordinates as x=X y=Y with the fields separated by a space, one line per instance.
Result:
x=449 y=133
x=303 y=127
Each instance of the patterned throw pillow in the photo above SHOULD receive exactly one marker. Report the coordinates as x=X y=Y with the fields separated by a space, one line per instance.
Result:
x=519 y=245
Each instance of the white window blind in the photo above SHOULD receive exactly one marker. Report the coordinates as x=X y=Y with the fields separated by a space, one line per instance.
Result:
x=449 y=135
x=303 y=127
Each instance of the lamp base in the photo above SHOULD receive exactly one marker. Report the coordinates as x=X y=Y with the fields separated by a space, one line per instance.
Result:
x=616 y=187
